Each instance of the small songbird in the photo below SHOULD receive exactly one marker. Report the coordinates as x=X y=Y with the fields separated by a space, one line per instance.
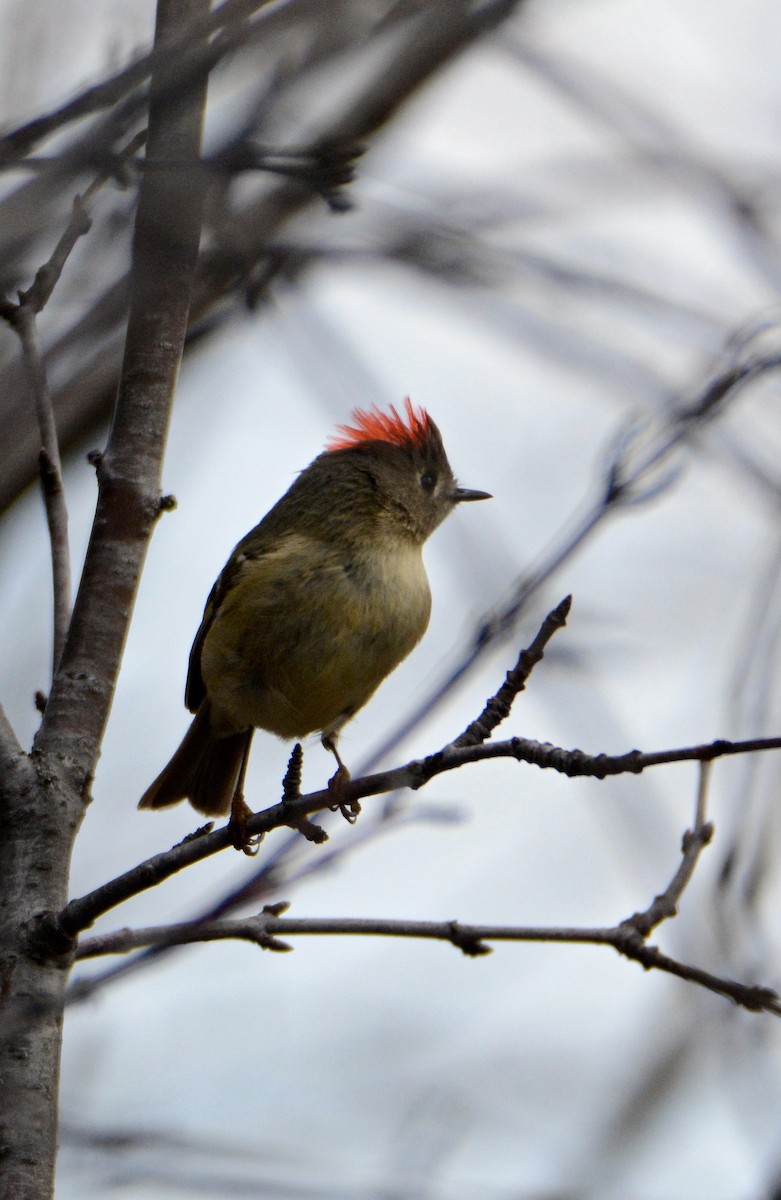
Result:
x=316 y=605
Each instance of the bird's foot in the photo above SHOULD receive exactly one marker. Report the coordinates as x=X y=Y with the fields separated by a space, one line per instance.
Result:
x=338 y=784
x=340 y=802
x=249 y=844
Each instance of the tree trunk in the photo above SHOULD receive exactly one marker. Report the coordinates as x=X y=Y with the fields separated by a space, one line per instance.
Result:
x=38 y=821
x=43 y=795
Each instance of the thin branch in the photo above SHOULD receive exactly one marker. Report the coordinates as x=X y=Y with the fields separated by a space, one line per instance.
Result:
x=22 y=318
x=160 y=59
x=498 y=708
x=628 y=937
x=665 y=905
x=267 y=931
x=79 y=914
x=51 y=475
x=47 y=276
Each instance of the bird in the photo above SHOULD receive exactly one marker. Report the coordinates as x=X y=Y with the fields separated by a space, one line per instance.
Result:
x=316 y=605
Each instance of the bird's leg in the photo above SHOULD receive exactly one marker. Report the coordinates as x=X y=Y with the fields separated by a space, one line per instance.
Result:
x=241 y=812
x=337 y=784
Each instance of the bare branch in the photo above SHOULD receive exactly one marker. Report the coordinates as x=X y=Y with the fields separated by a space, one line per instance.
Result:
x=190 y=39
x=51 y=475
x=628 y=937
x=665 y=905
x=267 y=931
x=470 y=939
x=37 y=296
x=498 y=708
x=168 y=227
x=79 y=914
x=22 y=318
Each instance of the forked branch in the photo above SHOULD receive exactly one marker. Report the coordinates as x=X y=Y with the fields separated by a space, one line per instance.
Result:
x=629 y=937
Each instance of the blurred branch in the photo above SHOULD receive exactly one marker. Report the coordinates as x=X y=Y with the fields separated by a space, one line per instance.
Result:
x=629 y=937
x=657 y=143
x=22 y=318
x=50 y=469
x=179 y=60
x=400 y=52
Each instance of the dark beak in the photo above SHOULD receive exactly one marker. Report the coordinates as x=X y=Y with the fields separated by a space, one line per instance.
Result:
x=461 y=494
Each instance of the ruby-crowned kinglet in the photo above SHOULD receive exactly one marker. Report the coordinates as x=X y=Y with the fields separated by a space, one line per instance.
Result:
x=316 y=605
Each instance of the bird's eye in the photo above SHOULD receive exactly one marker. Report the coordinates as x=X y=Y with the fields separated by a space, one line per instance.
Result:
x=428 y=481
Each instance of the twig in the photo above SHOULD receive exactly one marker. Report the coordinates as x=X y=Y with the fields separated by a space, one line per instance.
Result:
x=79 y=914
x=161 y=59
x=268 y=931
x=496 y=710
x=22 y=318
x=50 y=469
x=470 y=939
x=665 y=905
x=628 y=937
x=498 y=707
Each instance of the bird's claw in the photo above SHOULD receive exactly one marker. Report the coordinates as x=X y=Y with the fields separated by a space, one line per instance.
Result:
x=337 y=786
x=249 y=844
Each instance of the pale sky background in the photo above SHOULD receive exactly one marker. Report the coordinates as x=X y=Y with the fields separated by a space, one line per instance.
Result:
x=370 y=1068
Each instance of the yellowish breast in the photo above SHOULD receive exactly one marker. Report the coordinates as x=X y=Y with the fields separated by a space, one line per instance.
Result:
x=309 y=632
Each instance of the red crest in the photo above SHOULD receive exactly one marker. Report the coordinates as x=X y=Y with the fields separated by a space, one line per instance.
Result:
x=374 y=425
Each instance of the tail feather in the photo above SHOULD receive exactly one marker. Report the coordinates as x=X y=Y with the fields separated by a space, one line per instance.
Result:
x=204 y=770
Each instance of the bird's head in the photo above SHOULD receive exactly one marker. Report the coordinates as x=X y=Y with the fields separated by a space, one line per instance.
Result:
x=402 y=461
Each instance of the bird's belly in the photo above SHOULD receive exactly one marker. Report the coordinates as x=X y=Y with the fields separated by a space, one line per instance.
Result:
x=309 y=665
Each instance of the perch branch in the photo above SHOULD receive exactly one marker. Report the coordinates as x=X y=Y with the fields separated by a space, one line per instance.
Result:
x=80 y=913
x=269 y=928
